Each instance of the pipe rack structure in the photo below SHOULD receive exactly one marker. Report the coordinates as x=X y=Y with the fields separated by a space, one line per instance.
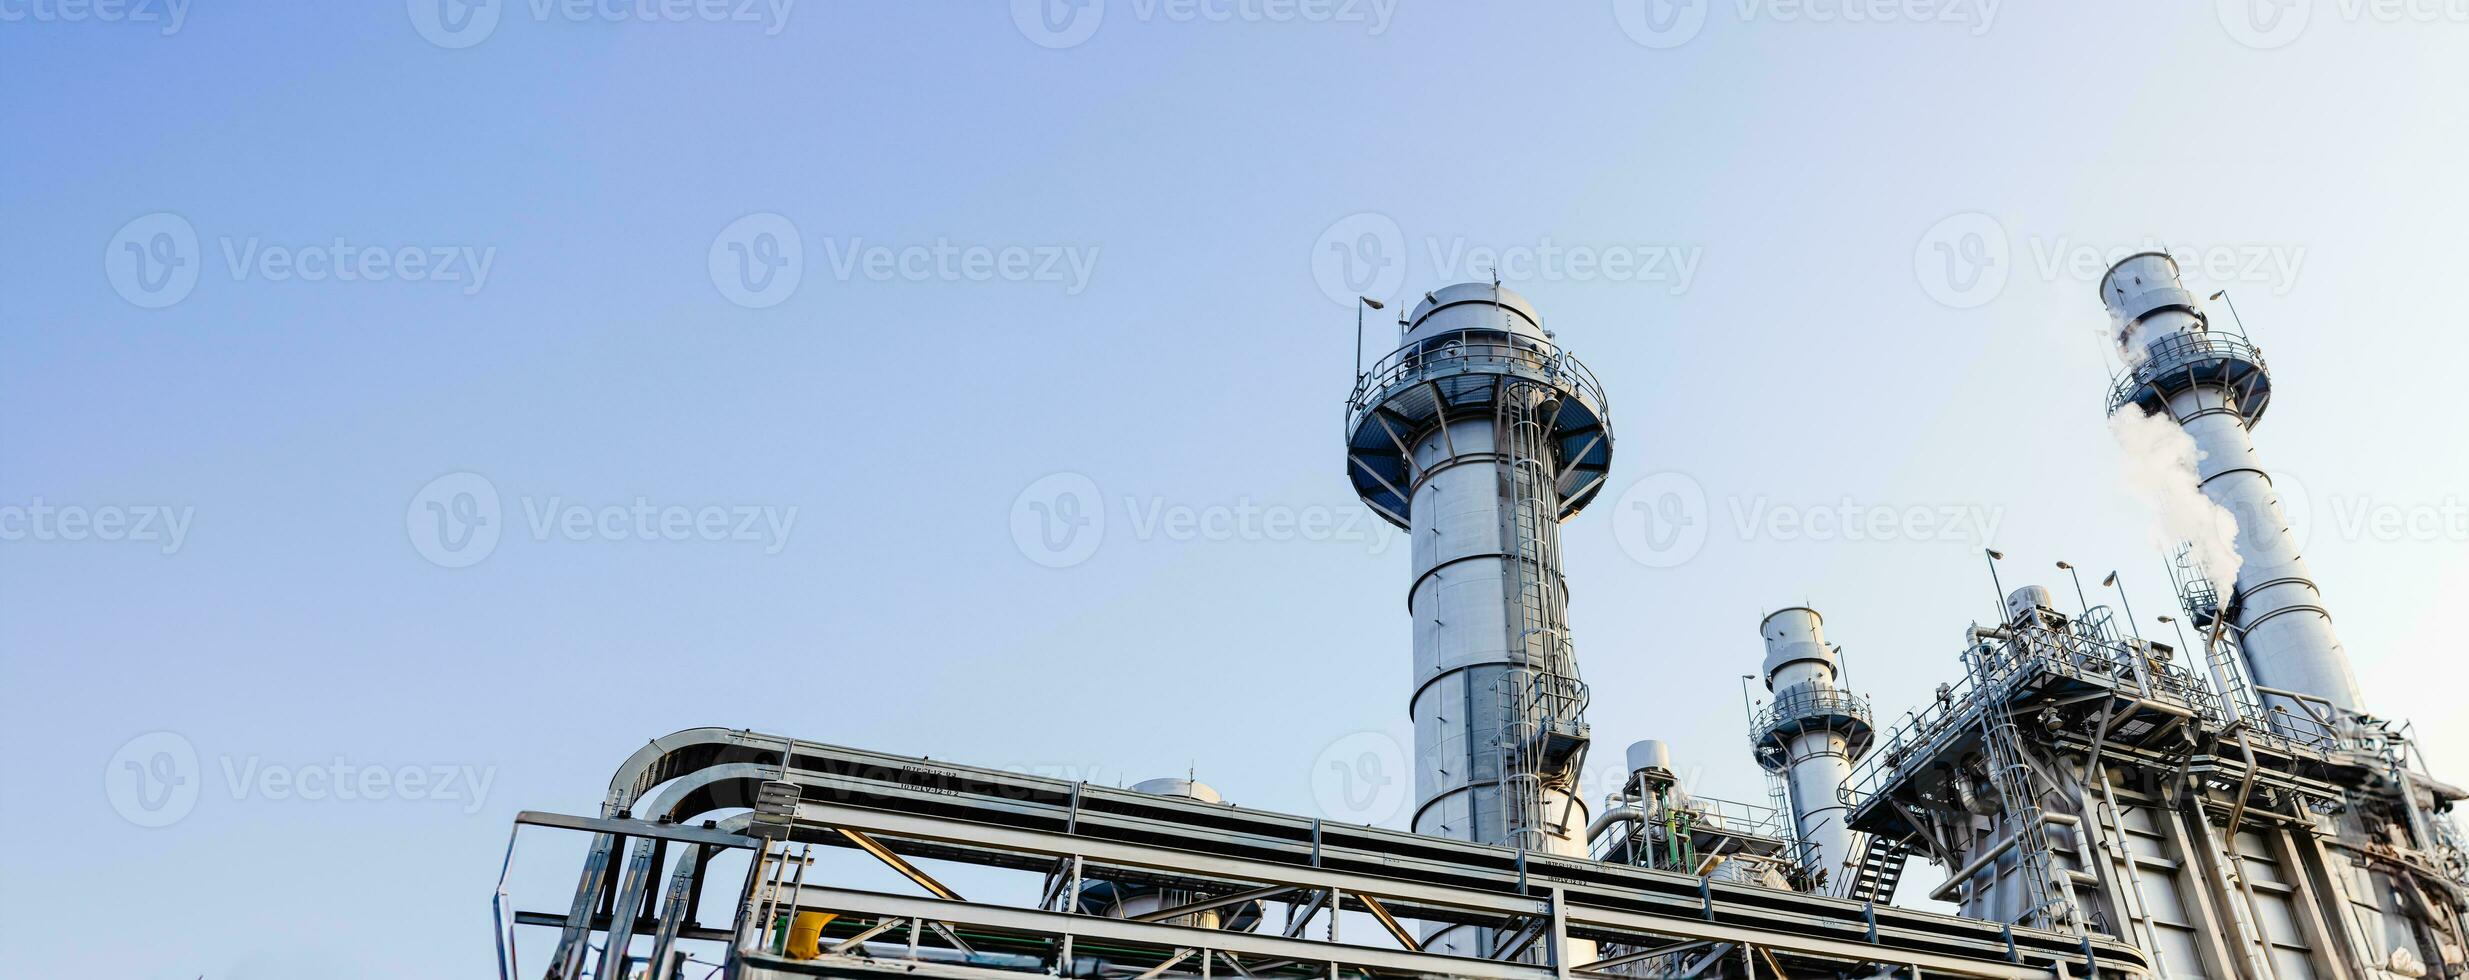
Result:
x=650 y=858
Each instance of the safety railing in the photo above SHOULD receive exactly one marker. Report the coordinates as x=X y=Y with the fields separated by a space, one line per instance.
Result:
x=2015 y=654
x=2175 y=353
x=1796 y=707
x=1473 y=348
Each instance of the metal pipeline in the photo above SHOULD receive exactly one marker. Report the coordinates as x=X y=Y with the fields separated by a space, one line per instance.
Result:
x=1946 y=892
x=1628 y=813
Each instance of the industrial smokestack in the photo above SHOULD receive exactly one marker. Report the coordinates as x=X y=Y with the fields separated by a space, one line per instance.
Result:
x=1479 y=436
x=1812 y=732
x=2214 y=386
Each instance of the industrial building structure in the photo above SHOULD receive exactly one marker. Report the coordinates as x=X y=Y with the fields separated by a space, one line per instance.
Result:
x=2102 y=804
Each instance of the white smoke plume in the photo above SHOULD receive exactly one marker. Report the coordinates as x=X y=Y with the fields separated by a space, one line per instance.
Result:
x=2130 y=353
x=2160 y=463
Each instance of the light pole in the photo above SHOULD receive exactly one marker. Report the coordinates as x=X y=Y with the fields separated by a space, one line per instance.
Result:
x=2223 y=296
x=1366 y=301
x=2173 y=624
x=2078 y=577
x=1994 y=555
x=2112 y=581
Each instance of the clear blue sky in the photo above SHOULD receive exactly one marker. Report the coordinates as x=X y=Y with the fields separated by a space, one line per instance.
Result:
x=1820 y=349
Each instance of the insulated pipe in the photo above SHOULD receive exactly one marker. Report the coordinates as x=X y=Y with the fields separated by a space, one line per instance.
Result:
x=2208 y=385
x=1628 y=813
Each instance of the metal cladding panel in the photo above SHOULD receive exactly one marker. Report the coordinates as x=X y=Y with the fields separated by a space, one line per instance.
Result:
x=1457 y=513
x=1796 y=651
x=2180 y=955
x=1473 y=306
x=2146 y=299
x=2288 y=638
x=1453 y=815
x=1460 y=619
x=1819 y=762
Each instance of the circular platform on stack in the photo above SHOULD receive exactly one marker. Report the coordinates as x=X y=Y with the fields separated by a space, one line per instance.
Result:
x=1466 y=345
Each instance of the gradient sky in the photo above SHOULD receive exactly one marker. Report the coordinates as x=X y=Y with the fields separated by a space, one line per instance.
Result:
x=1891 y=230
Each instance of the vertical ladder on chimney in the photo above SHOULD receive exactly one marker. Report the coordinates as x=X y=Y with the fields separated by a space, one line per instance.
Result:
x=1544 y=702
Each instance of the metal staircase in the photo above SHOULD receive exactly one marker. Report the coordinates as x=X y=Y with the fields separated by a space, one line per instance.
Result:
x=1879 y=869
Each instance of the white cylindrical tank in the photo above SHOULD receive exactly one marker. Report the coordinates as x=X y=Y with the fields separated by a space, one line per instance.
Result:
x=2209 y=384
x=2023 y=602
x=1812 y=733
x=1650 y=756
